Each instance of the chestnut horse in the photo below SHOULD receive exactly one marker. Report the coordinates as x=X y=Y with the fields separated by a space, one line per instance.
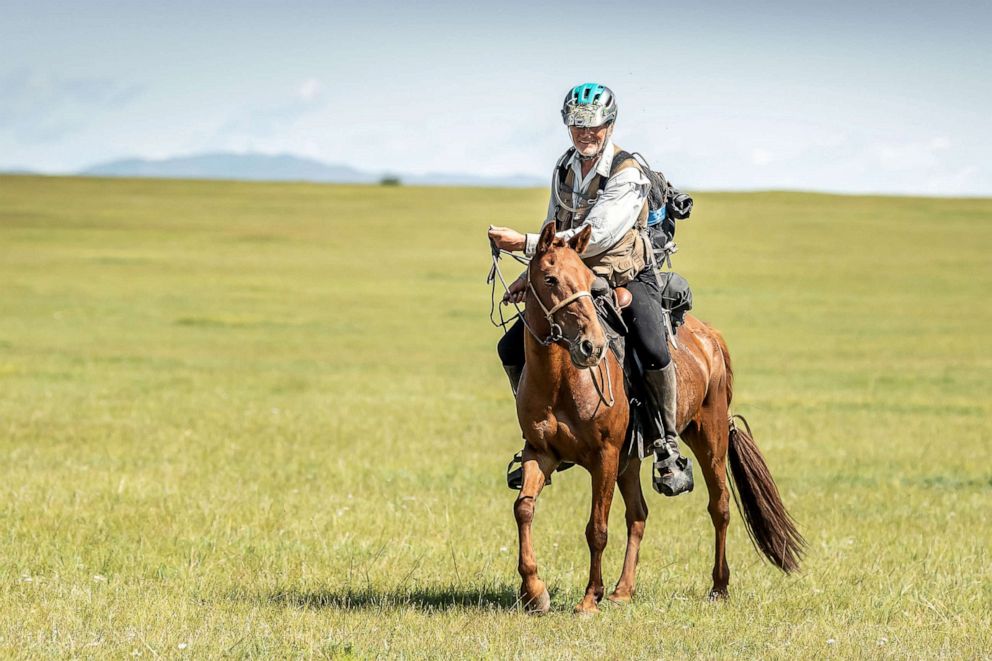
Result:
x=566 y=413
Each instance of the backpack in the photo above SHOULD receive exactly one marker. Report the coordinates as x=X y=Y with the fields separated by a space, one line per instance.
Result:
x=666 y=203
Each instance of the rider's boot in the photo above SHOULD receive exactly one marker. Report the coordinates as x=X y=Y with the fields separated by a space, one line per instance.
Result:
x=514 y=470
x=513 y=373
x=671 y=473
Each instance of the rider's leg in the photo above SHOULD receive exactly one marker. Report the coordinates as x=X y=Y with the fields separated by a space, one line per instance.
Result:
x=511 y=353
x=671 y=472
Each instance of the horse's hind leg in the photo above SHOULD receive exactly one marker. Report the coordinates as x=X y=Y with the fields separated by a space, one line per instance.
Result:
x=536 y=468
x=604 y=482
x=637 y=514
x=708 y=439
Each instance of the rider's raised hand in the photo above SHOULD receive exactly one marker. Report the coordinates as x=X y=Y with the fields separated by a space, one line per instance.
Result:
x=506 y=238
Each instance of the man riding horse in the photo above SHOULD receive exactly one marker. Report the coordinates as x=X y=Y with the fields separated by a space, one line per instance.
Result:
x=611 y=198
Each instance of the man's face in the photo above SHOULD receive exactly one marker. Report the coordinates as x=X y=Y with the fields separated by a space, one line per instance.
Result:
x=589 y=141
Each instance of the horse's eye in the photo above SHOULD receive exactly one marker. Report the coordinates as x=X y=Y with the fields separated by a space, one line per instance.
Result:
x=551 y=281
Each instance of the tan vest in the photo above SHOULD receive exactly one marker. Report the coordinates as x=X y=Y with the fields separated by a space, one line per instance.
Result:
x=628 y=256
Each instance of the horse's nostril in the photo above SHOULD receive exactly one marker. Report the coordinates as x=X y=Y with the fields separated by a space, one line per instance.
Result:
x=586 y=347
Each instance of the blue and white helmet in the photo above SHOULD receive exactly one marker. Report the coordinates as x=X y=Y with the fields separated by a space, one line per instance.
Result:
x=589 y=105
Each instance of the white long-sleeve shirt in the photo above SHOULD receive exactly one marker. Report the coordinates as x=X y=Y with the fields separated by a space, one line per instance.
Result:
x=615 y=211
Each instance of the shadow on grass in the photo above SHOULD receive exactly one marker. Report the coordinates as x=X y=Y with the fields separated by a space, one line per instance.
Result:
x=424 y=599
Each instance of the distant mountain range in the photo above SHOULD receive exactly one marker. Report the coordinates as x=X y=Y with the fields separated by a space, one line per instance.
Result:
x=284 y=167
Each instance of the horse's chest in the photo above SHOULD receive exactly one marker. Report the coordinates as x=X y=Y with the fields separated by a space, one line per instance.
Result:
x=543 y=430
x=564 y=433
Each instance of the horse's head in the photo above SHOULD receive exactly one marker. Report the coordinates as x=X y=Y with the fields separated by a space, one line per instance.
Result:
x=560 y=281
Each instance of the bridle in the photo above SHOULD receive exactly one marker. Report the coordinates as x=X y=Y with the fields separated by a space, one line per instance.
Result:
x=554 y=333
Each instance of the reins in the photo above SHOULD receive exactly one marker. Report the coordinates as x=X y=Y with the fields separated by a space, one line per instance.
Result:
x=494 y=273
x=555 y=331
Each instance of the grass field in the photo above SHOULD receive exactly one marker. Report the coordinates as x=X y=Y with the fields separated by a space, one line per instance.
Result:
x=268 y=420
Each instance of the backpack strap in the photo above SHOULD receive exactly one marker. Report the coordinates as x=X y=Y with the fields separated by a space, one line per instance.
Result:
x=658 y=188
x=562 y=169
x=618 y=158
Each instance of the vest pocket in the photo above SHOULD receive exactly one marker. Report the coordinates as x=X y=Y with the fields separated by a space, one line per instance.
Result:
x=624 y=270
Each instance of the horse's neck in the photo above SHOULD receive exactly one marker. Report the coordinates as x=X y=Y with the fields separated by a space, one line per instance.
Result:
x=549 y=363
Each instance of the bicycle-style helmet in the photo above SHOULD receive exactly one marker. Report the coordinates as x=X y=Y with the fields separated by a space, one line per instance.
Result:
x=589 y=105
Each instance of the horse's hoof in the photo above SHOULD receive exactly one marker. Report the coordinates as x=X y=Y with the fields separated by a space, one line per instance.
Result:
x=616 y=598
x=717 y=595
x=587 y=608
x=540 y=605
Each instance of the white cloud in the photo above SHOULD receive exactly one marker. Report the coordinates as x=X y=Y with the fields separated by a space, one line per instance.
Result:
x=265 y=126
x=39 y=107
x=911 y=155
x=760 y=156
x=955 y=182
x=310 y=89
x=940 y=144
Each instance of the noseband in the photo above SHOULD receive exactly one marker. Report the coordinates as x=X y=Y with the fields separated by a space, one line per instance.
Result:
x=555 y=332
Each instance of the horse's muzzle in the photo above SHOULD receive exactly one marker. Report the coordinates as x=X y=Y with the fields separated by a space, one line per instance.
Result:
x=586 y=353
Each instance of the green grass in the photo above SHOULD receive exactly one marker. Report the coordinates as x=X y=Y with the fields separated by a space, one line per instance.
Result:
x=268 y=420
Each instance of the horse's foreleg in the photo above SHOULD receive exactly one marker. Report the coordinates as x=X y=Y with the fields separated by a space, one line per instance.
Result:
x=536 y=468
x=604 y=480
x=637 y=514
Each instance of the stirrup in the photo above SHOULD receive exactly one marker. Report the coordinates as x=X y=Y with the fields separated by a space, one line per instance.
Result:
x=515 y=476
x=672 y=475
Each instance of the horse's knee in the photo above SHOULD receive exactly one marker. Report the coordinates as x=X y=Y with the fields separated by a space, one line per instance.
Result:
x=597 y=536
x=523 y=510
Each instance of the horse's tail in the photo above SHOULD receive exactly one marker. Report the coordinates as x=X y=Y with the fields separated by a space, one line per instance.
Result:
x=771 y=528
x=769 y=525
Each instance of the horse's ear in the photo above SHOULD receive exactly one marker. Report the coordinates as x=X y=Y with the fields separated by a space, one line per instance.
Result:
x=579 y=242
x=547 y=236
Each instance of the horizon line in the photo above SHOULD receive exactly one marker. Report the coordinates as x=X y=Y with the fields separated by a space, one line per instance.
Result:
x=305 y=182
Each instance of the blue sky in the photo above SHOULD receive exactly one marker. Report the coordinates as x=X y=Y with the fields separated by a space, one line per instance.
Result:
x=842 y=96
